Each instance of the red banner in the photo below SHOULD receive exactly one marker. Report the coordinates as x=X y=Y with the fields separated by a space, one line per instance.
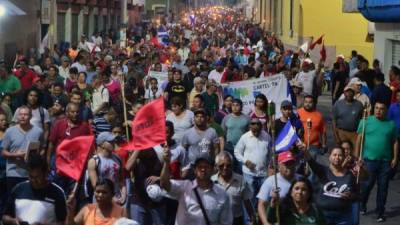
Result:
x=148 y=127
x=71 y=156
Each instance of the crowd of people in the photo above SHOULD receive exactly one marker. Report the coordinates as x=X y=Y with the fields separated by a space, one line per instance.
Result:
x=218 y=165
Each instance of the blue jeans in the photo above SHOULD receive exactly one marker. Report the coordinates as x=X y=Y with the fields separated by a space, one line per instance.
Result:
x=344 y=217
x=143 y=216
x=378 y=170
x=355 y=208
x=255 y=185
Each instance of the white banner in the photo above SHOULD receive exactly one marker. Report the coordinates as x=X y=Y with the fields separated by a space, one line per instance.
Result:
x=275 y=88
x=160 y=76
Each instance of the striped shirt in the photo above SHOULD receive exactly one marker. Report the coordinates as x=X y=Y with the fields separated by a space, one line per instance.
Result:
x=100 y=124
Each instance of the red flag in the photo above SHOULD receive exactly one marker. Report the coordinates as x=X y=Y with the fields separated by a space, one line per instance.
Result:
x=148 y=127
x=71 y=156
x=318 y=41
x=323 y=52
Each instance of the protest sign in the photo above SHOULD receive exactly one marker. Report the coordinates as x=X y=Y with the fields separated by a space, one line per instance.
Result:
x=275 y=88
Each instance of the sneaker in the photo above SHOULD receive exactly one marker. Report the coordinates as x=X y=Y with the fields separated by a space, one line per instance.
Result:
x=381 y=219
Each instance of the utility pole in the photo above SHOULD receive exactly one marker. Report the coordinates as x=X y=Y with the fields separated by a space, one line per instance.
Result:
x=124 y=23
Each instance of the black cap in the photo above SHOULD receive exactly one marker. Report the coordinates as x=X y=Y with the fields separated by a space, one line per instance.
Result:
x=203 y=159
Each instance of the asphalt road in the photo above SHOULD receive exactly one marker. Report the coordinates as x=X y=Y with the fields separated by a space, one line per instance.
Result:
x=393 y=200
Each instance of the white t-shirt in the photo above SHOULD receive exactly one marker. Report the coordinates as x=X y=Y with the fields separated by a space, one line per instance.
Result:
x=148 y=94
x=181 y=124
x=216 y=76
x=99 y=96
x=79 y=67
x=307 y=79
x=269 y=185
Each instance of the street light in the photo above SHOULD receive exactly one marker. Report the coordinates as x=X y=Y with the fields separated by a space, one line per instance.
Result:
x=2 y=10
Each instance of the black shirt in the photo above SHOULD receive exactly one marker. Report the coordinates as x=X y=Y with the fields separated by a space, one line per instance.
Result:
x=381 y=93
x=177 y=89
x=45 y=205
x=340 y=77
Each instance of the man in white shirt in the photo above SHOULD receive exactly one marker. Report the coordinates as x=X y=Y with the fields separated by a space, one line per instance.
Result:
x=100 y=96
x=200 y=200
x=287 y=168
x=253 y=150
x=307 y=76
x=216 y=74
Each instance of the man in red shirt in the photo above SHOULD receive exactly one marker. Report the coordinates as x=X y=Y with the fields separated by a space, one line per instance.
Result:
x=66 y=128
x=26 y=76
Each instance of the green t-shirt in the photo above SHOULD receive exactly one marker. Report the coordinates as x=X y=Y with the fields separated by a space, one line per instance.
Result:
x=312 y=217
x=218 y=129
x=378 y=139
x=10 y=84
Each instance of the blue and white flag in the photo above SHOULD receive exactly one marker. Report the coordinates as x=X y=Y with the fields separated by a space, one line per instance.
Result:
x=162 y=35
x=286 y=138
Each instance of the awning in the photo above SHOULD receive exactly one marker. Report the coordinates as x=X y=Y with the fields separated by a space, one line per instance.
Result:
x=11 y=9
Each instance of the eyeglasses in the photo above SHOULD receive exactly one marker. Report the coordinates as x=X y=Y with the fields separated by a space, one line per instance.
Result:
x=221 y=166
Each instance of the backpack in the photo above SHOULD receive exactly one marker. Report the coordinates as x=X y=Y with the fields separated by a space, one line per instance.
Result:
x=88 y=189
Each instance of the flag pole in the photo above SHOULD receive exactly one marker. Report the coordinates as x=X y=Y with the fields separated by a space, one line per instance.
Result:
x=309 y=126
x=271 y=114
x=124 y=107
x=362 y=142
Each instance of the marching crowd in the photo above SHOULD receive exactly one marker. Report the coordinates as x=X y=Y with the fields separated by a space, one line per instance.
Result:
x=218 y=165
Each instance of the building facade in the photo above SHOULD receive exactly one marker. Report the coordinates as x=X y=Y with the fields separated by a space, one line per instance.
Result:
x=298 y=21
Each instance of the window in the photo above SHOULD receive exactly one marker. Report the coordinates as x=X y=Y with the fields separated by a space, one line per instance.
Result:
x=350 y=6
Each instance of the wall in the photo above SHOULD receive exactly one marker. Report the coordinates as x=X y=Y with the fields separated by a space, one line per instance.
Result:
x=343 y=31
x=384 y=34
x=28 y=33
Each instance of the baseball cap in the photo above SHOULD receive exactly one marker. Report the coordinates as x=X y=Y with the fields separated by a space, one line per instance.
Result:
x=295 y=83
x=285 y=157
x=104 y=136
x=349 y=87
x=203 y=159
x=286 y=103
x=355 y=80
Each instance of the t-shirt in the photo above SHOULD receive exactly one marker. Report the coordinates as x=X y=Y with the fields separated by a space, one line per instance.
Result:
x=43 y=206
x=381 y=93
x=10 y=84
x=234 y=127
x=218 y=129
x=15 y=139
x=100 y=124
x=347 y=115
x=307 y=79
x=199 y=143
x=394 y=113
x=181 y=124
x=177 y=89
x=379 y=138
x=269 y=185
x=210 y=102
x=317 y=125
x=341 y=78
x=215 y=75
x=330 y=197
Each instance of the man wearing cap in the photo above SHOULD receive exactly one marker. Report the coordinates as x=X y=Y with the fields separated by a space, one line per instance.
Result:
x=200 y=140
x=63 y=69
x=381 y=92
x=307 y=76
x=287 y=169
x=57 y=111
x=106 y=164
x=346 y=114
x=288 y=115
x=360 y=92
x=201 y=202
x=253 y=150
x=216 y=74
x=297 y=88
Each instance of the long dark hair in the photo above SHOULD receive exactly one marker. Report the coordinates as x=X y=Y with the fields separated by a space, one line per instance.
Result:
x=287 y=202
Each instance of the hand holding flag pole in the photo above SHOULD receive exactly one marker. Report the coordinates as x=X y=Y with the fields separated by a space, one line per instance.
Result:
x=271 y=114
x=309 y=126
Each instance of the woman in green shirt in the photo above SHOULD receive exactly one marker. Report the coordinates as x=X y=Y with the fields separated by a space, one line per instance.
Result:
x=297 y=207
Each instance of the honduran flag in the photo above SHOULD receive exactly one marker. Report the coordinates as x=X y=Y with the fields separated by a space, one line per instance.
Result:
x=286 y=138
x=162 y=35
